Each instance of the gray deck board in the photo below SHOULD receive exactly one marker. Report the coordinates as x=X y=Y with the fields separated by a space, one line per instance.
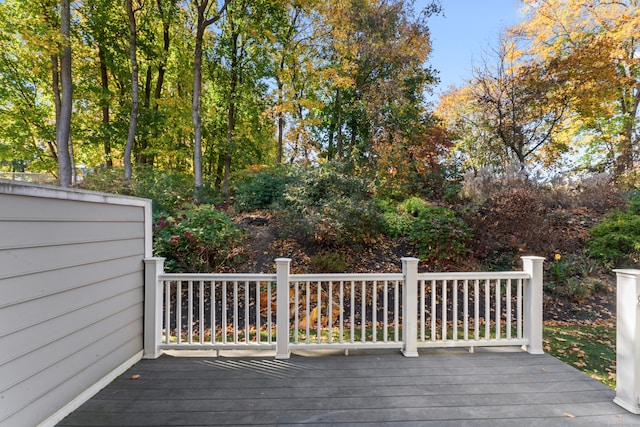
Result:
x=439 y=388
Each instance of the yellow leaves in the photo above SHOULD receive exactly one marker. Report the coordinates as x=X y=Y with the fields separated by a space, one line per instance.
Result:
x=340 y=77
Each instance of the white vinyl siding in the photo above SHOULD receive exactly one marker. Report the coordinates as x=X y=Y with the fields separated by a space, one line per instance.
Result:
x=71 y=294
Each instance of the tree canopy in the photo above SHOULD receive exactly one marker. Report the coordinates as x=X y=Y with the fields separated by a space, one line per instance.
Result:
x=212 y=87
x=565 y=80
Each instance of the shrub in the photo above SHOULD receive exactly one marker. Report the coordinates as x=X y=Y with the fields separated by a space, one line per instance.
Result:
x=399 y=221
x=440 y=237
x=331 y=262
x=260 y=189
x=198 y=238
x=580 y=289
x=413 y=206
x=573 y=276
x=327 y=207
x=168 y=191
x=616 y=240
x=511 y=222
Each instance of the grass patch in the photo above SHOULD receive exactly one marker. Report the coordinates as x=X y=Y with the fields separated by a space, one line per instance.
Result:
x=589 y=347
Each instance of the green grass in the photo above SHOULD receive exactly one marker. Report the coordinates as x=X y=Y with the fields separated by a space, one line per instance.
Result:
x=589 y=347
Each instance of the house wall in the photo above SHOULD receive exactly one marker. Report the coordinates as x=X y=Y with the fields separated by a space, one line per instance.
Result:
x=71 y=296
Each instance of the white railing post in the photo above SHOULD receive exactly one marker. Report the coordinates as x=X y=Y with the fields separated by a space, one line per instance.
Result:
x=628 y=340
x=533 y=265
x=153 y=268
x=282 y=308
x=410 y=307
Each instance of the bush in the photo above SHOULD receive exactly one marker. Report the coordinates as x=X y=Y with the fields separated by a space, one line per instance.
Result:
x=198 y=239
x=168 y=191
x=260 y=189
x=396 y=224
x=399 y=221
x=440 y=237
x=327 y=207
x=331 y=262
x=511 y=222
x=616 y=240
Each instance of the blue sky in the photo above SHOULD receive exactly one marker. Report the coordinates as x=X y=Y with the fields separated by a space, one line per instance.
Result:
x=467 y=29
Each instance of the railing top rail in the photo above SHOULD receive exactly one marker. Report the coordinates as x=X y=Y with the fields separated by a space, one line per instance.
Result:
x=241 y=277
x=475 y=275
x=336 y=277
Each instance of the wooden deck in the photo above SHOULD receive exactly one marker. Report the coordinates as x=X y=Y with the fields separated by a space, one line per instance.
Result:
x=439 y=388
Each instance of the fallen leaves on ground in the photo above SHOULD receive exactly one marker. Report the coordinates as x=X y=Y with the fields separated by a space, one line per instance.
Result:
x=588 y=346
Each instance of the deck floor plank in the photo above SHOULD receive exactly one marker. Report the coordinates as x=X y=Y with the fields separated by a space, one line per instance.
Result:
x=439 y=388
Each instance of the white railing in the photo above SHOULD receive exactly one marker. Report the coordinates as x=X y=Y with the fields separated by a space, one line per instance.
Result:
x=218 y=311
x=345 y=311
x=471 y=309
x=406 y=310
x=628 y=340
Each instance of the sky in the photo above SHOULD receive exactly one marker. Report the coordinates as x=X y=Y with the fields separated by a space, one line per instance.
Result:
x=467 y=30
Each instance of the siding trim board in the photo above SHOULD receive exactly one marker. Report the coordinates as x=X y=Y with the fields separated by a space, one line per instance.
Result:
x=71 y=296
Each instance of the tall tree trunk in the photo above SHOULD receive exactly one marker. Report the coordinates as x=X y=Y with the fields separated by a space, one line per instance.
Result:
x=202 y=24
x=143 y=138
x=104 y=77
x=227 y=172
x=339 y=143
x=195 y=105
x=72 y=157
x=219 y=172
x=166 y=26
x=227 y=155
x=55 y=89
x=231 y=113
x=280 y=121
x=133 y=120
x=63 y=124
x=627 y=147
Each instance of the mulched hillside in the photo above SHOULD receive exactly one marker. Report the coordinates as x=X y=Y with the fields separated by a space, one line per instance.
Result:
x=263 y=245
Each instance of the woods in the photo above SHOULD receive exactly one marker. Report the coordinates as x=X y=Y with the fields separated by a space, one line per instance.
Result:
x=211 y=88
x=208 y=87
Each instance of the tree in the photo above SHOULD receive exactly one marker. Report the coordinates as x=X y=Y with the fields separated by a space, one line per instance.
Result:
x=376 y=63
x=593 y=46
x=27 y=123
x=244 y=63
x=474 y=147
x=512 y=111
x=292 y=30
x=205 y=18
x=522 y=103
x=133 y=118
x=63 y=122
x=301 y=80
